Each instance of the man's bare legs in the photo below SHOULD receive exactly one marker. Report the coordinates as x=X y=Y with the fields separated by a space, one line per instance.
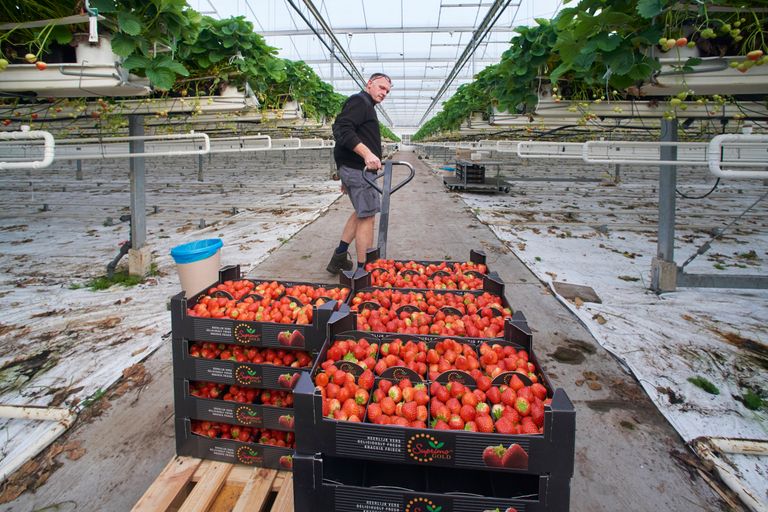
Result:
x=361 y=231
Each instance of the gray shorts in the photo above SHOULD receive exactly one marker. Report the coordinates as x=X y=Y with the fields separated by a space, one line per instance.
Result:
x=365 y=199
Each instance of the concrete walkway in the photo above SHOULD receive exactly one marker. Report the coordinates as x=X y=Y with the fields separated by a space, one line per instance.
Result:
x=624 y=446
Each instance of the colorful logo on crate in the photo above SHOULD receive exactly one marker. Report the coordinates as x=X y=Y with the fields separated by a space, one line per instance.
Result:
x=247 y=415
x=246 y=334
x=420 y=504
x=248 y=455
x=427 y=448
x=247 y=376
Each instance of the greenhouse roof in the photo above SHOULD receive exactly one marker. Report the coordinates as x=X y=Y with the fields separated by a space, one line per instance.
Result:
x=429 y=47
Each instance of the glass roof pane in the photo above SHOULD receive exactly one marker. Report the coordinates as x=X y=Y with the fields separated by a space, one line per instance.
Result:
x=416 y=43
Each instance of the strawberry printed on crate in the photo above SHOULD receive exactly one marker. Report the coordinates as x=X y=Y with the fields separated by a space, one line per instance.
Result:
x=256 y=355
x=218 y=430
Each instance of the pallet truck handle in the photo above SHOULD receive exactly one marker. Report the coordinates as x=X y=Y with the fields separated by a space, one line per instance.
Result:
x=390 y=163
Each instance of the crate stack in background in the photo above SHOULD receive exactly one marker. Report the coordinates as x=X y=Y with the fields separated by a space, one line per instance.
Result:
x=451 y=413
x=239 y=347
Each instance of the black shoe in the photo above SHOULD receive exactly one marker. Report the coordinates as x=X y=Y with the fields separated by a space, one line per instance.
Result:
x=339 y=262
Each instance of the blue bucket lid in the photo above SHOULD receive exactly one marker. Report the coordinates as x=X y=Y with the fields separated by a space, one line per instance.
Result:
x=196 y=251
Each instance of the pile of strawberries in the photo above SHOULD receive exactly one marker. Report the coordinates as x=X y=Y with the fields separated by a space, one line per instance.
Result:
x=240 y=394
x=472 y=315
x=264 y=302
x=217 y=430
x=515 y=408
x=440 y=276
x=256 y=355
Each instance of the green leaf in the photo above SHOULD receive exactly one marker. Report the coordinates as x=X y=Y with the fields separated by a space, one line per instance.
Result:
x=641 y=71
x=61 y=34
x=123 y=44
x=559 y=71
x=161 y=78
x=129 y=23
x=178 y=68
x=620 y=61
x=649 y=8
x=135 y=62
x=215 y=56
x=693 y=61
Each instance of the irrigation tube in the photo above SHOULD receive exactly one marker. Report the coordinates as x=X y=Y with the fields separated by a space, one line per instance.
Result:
x=27 y=134
x=648 y=161
x=715 y=162
x=548 y=150
x=241 y=140
x=203 y=146
x=63 y=419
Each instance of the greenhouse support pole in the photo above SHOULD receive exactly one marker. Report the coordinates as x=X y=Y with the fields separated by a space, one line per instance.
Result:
x=139 y=257
x=663 y=268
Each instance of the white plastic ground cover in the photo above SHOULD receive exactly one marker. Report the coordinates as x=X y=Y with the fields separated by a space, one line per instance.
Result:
x=85 y=339
x=605 y=237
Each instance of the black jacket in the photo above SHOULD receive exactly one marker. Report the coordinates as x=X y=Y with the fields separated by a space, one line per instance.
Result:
x=356 y=123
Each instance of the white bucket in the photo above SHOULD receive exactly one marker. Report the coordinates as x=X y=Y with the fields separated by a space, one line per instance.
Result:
x=198 y=264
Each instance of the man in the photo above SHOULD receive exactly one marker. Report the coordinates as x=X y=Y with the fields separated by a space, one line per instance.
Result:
x=358 y=148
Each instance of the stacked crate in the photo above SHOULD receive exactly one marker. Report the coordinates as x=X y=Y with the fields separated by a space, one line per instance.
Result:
x=233 y=378
x=361 y=465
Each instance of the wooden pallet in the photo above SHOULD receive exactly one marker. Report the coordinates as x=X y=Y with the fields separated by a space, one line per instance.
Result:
x=189 y=484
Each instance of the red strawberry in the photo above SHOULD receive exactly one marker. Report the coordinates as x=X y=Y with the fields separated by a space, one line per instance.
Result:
x=365 y=380
x=516 y=383
x=374 y=412
x=296 y=339
x=539 y=391
x=286 y=461
x=440 y=425
x=470 y=426
x=483 y=408
x=284 y=338
x=492 y=456
x=504 y=426
x=409 y=411
x=494 y=395
x=483 y=383
x=467 y=413
x=508 y=396
x=515 y=457
x=484 y=423
x=455 y=422
x=528 y=427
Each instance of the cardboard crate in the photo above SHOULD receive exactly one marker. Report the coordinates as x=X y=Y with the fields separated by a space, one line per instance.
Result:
x=551 y=452
x=250 y=415
x=246 y=333
x=229 y=450
x=345 y=485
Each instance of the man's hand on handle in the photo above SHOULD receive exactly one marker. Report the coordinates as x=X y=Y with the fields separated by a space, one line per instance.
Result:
x=372 y=162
